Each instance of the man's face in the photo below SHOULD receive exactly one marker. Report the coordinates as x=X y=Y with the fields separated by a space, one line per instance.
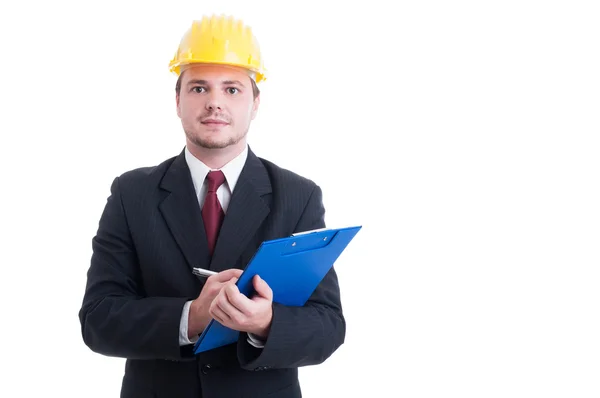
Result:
x=216 y=105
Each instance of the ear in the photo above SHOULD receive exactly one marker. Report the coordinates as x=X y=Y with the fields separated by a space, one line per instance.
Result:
x=177 y=104
x=255 y=106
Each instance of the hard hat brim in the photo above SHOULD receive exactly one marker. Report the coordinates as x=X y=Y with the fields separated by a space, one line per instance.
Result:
x=177 y=67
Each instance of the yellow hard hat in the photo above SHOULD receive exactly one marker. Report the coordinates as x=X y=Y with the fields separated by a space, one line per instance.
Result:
x=220 y=40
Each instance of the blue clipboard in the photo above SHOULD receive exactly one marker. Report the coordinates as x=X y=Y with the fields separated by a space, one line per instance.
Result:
x=293 y=267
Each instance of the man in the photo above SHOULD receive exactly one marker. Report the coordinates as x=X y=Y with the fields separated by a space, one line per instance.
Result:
x=210 y=207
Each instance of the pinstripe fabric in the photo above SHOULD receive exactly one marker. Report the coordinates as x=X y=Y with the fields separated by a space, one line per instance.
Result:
x=151 y=234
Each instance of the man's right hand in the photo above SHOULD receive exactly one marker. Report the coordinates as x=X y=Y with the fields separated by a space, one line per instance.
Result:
x=199 y=317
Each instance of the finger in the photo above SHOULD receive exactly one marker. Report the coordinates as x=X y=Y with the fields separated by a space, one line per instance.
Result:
x=226 y=275
x=262 y=288
x=237 y=299
x=229 y=284
x=218 y=314
x=227 y=307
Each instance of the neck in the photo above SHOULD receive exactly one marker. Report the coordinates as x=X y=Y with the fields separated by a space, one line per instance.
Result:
x=215 y=158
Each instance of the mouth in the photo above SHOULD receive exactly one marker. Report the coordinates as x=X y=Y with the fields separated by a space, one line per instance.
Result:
x=214 y=122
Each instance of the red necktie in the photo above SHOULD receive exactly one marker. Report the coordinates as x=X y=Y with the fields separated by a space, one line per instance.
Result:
x=212 y=212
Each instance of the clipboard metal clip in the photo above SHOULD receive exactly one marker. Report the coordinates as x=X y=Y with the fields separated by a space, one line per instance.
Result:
x=310 y=231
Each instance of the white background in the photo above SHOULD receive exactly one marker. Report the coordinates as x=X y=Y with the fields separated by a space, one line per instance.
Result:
x=462 y=135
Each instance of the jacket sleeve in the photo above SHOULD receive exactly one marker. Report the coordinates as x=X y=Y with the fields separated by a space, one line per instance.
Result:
x=116 y=317
x=301 y=336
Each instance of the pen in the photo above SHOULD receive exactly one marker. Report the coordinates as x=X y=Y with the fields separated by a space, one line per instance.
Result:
x=203 y=272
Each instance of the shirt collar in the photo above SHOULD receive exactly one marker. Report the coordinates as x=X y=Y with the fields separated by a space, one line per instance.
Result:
x=231 y=170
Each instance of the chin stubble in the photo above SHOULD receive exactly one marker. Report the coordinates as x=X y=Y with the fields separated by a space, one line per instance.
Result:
x=213 y=144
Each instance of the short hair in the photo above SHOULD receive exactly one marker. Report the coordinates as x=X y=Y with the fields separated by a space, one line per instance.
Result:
x=255 y=89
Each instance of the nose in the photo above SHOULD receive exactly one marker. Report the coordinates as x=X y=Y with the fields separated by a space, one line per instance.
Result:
x=213 y=103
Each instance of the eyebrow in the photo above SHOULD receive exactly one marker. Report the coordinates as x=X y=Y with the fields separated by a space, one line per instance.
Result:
x=205 y=82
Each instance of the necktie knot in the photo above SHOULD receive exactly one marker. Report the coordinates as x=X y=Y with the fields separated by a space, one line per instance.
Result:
x=215 y=179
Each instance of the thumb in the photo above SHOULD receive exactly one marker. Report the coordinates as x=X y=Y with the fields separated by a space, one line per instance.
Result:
x=262 y=288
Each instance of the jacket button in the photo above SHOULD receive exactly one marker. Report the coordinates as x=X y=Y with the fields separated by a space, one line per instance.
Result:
x=206 y=368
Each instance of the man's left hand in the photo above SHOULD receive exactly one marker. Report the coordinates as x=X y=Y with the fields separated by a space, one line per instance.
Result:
x=238 y=312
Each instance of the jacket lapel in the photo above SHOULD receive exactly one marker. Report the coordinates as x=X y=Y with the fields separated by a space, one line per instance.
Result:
x=182 y=213
x=245 y=214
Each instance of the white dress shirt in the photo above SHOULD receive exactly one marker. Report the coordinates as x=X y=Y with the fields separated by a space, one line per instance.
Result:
x=199 y=170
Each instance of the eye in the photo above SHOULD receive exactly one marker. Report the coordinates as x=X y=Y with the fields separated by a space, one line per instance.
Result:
x=197 y=89
x=232 y=90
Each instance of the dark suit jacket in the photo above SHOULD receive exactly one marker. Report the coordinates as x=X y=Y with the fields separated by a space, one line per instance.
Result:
x=150 y=236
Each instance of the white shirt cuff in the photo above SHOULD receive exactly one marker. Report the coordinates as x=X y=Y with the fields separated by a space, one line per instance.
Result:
x=183 y=326
x=255 y=341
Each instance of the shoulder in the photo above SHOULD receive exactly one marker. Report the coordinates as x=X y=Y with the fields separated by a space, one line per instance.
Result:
x=298 y=198
x=142 y=178
x=282 y=178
